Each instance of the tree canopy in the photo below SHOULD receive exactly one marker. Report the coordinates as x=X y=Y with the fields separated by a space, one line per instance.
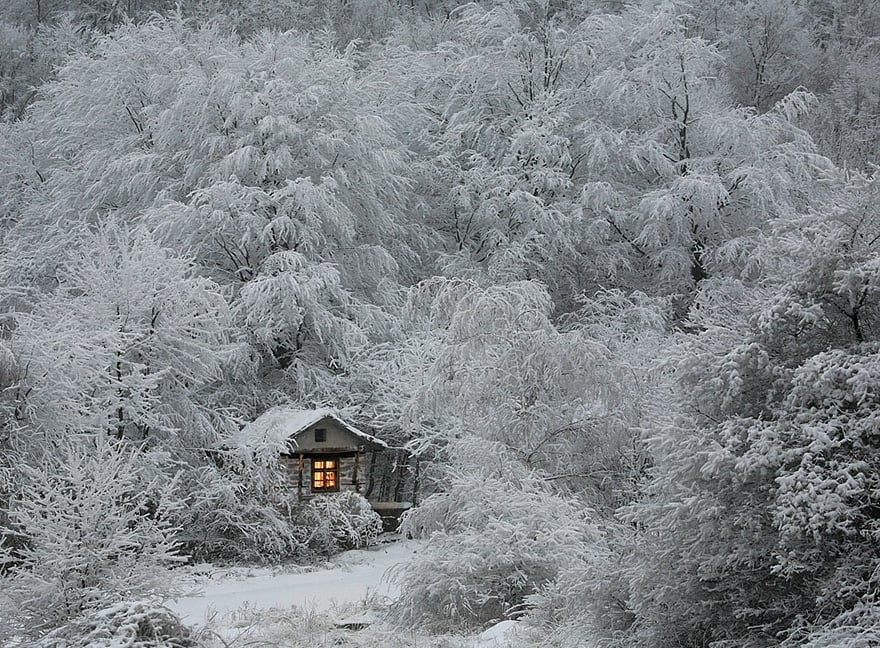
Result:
x=604 y=273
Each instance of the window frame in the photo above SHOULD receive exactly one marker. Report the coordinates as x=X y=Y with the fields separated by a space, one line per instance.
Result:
x=319 y=466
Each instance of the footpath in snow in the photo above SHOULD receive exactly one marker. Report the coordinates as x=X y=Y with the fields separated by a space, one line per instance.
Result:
x=353 y=577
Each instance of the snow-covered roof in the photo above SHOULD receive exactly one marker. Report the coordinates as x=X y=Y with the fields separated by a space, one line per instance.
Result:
x=282 y=423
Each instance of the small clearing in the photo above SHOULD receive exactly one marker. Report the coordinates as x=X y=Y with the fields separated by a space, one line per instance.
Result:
x=353 y=577
x=339 y=605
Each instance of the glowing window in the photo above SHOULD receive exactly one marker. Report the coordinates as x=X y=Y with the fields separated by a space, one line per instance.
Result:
x=325 y=475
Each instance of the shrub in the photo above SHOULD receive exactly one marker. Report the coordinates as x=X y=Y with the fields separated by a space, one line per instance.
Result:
x=229 y=517
x=858 y=627
x=95 y=530
x=333 y=523
x=492 y=543
x=128 y=624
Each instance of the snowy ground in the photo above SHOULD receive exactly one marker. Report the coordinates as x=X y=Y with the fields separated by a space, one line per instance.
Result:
x=354 y=577
x=339 y=605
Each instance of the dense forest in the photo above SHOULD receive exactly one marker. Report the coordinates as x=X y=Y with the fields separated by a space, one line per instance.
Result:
x=609 y=271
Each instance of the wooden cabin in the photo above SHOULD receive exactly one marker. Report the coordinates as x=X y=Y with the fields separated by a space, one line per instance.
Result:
x=324 y=453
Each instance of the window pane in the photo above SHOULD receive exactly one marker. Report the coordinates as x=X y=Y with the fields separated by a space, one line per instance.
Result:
x=325 y=474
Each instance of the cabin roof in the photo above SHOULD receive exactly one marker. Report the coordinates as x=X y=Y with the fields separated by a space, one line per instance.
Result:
x=280 y=424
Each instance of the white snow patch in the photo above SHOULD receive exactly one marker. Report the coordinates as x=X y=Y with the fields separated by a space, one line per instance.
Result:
x=497 y=635
x=354 y=577
x=281 y=424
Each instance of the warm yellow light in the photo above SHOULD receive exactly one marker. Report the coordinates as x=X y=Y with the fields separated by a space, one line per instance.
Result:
x=325 y=474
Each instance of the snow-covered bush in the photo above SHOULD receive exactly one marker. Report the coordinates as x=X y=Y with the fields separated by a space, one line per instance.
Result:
x=225 y=519
x=127 y=624
x=235 y=508
x=855 y=628
x=8 y=538
x=96 y=531
x=332 y=523
x=759 y=520
x=492 y=542
x=239 y=508
x=590 y=592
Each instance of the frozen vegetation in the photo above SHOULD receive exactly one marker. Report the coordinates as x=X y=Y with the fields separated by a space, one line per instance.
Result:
x=601 y=274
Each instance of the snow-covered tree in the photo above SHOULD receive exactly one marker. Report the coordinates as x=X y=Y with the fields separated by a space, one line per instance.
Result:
x=103 y=15
x=846 y=123
x=514 y=413
x=769 y=47
x=496 y=91
x=680 y=178
x=124 y=345
x=491 y=364
x=95 y=528
x=271 y=162
x=299 y=200
x=759 y=515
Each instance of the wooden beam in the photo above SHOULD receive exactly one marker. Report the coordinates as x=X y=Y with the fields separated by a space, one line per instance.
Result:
x=354 y=479
x=348 y=451
x=299 y=488
x=371 y=480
